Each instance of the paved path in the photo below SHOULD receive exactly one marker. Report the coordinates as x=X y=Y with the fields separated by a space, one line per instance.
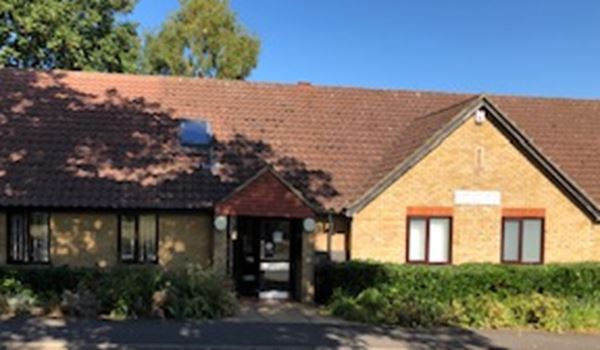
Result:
x=275 y=311
x=36 y=333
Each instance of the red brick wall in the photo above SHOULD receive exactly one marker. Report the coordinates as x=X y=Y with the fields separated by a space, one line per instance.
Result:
x=524 y=212
x=265 y=196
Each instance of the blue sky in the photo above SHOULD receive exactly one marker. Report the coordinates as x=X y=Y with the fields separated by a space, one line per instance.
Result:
x=532 y=47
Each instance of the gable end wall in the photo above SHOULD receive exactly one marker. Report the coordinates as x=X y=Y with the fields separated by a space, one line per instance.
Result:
x=379 y=229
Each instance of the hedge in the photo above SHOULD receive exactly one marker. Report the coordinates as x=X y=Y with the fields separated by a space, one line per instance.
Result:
x=553 y=296
x=121 y=292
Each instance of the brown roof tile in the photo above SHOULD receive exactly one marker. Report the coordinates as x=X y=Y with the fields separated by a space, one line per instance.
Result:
x=108 y=140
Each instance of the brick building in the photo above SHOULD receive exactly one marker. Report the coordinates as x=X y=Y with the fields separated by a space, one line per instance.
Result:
x=258 y=180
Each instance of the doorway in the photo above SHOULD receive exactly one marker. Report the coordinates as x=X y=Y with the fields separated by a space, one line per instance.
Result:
x=267 y=258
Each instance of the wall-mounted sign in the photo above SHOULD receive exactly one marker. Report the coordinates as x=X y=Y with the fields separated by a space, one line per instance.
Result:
x=474 y=197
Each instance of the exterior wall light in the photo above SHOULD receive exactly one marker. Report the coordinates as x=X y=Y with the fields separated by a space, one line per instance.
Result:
x=309 y=225
x=480 y=117
x=220 y=223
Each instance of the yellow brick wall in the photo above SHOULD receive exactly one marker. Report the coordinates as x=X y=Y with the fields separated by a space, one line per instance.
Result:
x=83 y=239
x=90 y=239
x=338 y=239
x=379 y=230
x=184 y=239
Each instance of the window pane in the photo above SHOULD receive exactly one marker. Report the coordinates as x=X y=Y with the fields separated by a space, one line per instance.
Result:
x=439 y=240
x=127 y=237
x=39 y=233
x=532 y=240
x=148 y=237
x=416 y=240
x=511 y=240
x=18 y=240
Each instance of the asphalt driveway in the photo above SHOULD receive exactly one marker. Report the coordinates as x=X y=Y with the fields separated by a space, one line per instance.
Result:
x=37 y=333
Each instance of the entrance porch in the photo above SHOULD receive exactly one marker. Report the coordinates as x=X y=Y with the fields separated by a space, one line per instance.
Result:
x=266 y=239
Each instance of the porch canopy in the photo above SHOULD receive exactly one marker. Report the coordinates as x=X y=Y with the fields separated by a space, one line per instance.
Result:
x=266 y=195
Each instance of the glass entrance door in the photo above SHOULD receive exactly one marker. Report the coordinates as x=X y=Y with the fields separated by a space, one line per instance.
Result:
x=263 y=255
x=275 y=260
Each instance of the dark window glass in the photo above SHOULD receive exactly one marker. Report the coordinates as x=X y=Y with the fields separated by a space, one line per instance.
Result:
x=148 y=237
x=29 y=237
x=138 y=238
x=128 y=238
x=195 y=133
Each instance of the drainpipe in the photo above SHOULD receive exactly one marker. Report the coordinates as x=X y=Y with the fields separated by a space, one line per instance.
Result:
x=329 y=235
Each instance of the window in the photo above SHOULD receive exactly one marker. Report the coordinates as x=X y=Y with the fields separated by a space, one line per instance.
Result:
x=29 y=237
x=523 y=240
x=429 y=240
x=138 y=238
x=195 y=133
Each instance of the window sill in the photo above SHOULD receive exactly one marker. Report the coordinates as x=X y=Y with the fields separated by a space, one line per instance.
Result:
x=138 y=263
x=22 y=263
x=428 y=263
x=521 y=263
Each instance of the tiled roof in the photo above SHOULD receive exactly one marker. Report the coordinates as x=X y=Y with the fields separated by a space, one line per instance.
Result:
x=74 y=139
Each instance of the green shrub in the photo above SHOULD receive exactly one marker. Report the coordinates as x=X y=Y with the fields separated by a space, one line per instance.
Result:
x=387 y=306
x=127 y=291
x=198 y=294
x=121 y=292
x=82 y=302
x=369 y=306
x=17 y=298
x=485 y=311
x=583 y=315
x=538 y=311
x=551 y=297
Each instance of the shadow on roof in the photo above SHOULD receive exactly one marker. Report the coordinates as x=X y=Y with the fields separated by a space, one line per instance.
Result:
x=66 y=148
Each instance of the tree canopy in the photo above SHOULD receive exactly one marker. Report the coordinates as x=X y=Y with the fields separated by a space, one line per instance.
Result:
x=73 y=34
x=203 y=38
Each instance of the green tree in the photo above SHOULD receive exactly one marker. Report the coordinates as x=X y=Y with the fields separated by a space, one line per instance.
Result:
x=203 y=39
x=68 y=34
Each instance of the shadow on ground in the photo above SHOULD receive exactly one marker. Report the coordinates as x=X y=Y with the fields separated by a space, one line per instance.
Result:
x=77 y=334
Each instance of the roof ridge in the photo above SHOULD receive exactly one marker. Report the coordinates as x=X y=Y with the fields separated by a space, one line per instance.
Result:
x=239 y=82
x=311 y=85
x=544 y=98
x=258 y=83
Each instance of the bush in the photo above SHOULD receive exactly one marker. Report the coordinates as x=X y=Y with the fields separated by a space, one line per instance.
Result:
x=82 y=302
x=583 y=315
x=451 y=282
x=122 y=292
x=538 y=311
x=485 y=311
x=198 y=294
x=126 y=292
x=551 y=297
x=16 y=297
